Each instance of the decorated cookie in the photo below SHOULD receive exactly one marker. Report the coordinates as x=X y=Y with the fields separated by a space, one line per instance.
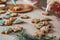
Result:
x=8 y=23
x=2 y=6
x=12 y=19
x=17 y=8
x=17 y=29
x=2 y=22
x=35 y=20
x=49 y=25
x=38 y=26
x=18 y=21
x=45 y=23
x=45 y=14
x=25 y=17
x=39 y=34
x=14 y=14
x=6 y=16
x=2 y=11
x=6 y=30
x=44 y=29
x=3 y=1
x=46 y=19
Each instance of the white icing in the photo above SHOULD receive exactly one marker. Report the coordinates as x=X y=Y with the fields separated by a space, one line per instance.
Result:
x=16 y=7
x=2 y=5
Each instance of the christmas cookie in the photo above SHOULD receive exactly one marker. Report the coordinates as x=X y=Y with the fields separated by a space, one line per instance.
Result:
x=8 y=23
x=17 y=29
x=2 y=22
x=3 y=1
x=12 y=19
x=18 y=21
x=38 y=26
x=44 y=23
x=35 y=20
x=46 y=19
x=2 y=11
x=6 y=16
x=22 y=8
x=2 y=6
x=14 y=14
x=44 y=29
x=39 y=34
x=25 y=17
x=49 y=25
x=6 y=30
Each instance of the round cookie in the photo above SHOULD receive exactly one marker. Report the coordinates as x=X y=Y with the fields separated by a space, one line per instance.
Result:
x=2 y=11
x=25 y=17
x=14 y=14
x=39 y=34
x=35 y=20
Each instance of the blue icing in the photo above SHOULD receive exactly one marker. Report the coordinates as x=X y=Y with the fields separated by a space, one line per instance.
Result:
x=7 y=16
x=17 y=20
x=39 y=25
x=5 y=29
x=1 y=22
x=14 y=2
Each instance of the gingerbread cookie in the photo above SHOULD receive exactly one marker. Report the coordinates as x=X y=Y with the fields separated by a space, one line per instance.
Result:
x=2 y=11
x=2 y=6
x=6 y=31
x=39 y=34
x=46 y=19
x=25 y=17
x=45 y=14
x=17 y=29
x=35 y=20
x=9 y=21
x=3 y=1
x=38 y=26
x=22 y=8
x=14 y=14
x=18 y=21
x=12 y=19
x=44 y=23
x=44 y=29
